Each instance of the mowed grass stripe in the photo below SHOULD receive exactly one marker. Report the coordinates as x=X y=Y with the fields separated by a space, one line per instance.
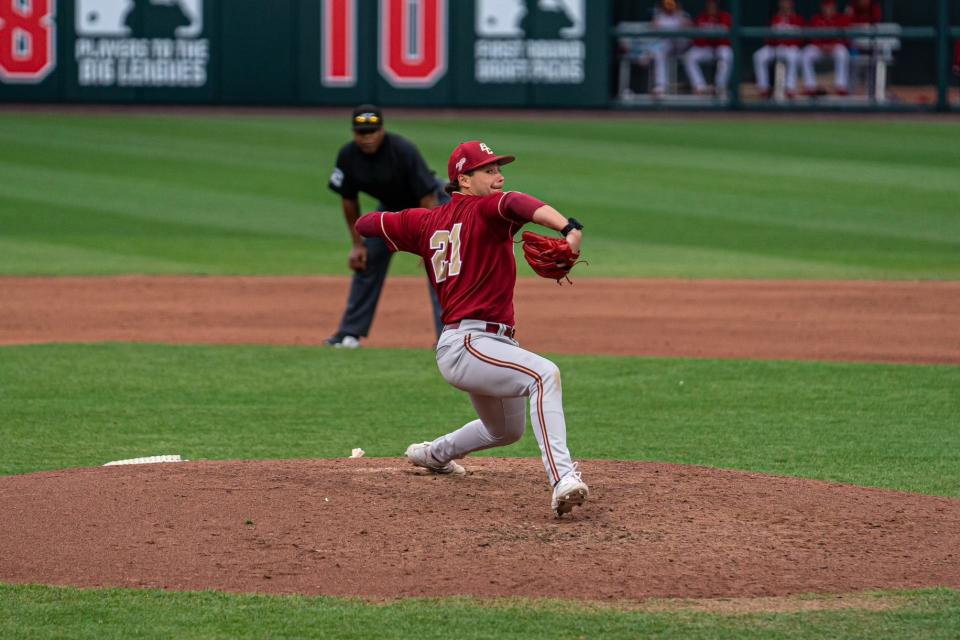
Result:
x=231 y=215
x=146 y=245
x=155 y=203
x=288 y=139
x=224 y=153
x=80 y=405
x=42 y=612
x=801 y=137
x=735 y=195
x=625 y=155
x=777 y=198
x=229 y=169
x=96 y=241
x=66 y=260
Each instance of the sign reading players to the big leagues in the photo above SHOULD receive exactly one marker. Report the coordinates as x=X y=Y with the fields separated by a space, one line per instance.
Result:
x=141 y=43
x=530 y=41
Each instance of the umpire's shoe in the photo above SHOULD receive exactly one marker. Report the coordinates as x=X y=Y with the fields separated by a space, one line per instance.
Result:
x=419 y=455
x=343 y=342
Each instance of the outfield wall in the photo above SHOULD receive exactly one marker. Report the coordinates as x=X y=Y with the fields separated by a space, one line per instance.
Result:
x=449 y=53
x=396 y=52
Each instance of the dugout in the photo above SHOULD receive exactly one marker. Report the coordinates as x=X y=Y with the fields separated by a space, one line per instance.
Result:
x=900 y=64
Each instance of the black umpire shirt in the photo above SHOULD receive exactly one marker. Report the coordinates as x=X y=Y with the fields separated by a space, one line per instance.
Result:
x=396 y=174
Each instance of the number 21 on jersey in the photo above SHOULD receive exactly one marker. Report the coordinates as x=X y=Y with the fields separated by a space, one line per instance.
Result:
x=446 y=255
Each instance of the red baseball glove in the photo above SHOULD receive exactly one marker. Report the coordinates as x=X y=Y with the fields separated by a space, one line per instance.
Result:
x=551 y=258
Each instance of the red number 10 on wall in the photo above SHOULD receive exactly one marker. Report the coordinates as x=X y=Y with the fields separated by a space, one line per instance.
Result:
x=27 y=29
x=412 y=42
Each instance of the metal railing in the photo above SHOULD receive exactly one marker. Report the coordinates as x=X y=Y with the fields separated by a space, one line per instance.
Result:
x=882 y=37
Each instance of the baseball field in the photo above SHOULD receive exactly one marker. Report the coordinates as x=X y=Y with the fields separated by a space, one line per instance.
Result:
x=761 y=366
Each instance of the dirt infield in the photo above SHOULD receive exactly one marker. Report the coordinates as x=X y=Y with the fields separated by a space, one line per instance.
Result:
x=909 y=322
x=377 y=528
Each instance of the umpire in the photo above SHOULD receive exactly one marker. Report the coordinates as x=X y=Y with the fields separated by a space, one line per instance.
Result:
x=389 y=168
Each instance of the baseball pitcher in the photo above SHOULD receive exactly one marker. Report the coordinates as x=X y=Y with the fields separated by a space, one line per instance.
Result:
x=467 y=245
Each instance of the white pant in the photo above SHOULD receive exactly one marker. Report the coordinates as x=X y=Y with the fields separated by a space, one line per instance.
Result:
x=697 y=55
x=661 y=51
x=841 y=64
x=499 y=376
x=766 y=54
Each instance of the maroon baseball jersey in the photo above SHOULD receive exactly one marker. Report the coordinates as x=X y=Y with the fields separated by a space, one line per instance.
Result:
x=467 y=247
x=784 y=23
x=721 y=20
x=871 y=14
x=837 y=21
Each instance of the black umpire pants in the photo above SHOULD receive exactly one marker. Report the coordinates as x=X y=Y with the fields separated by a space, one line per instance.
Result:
x=367 y=285
x=365 y=290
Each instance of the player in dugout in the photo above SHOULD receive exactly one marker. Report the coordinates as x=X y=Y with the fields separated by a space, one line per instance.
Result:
x=706 y=49
x=863 y=12
x=785 y=48
x=836 y=48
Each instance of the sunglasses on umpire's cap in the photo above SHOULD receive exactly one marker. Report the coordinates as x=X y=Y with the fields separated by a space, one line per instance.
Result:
x=366 y=118
x=470 y=156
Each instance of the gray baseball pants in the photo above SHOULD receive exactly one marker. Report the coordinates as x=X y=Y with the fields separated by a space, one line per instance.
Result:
x=500 y=376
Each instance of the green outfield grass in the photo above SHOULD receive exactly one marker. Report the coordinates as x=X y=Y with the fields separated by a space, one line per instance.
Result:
x=44 y=612
x=77 y=405
x=98 y=194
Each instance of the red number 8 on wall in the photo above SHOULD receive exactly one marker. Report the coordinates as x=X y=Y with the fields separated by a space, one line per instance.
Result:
x=27 y=28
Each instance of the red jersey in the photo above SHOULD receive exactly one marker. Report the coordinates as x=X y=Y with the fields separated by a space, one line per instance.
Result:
x=837 y=21
x=467 y=247
x=956 y=55
x=871 y=15
x=781 y=22
x=705 y=21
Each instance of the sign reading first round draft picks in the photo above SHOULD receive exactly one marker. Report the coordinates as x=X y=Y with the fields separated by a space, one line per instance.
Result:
x=540 y=42
x=141 y=43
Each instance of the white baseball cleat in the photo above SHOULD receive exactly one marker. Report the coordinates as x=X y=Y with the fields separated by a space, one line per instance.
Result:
x=419 y=455
x=570 y=492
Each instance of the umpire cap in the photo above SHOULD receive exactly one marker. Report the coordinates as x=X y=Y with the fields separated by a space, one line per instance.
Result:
x=366 y=118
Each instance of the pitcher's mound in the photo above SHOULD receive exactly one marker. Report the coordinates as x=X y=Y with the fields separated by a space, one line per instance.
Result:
x=379 y=528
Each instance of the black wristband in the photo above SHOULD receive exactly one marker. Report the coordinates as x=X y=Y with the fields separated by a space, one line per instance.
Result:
x=572 y=223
